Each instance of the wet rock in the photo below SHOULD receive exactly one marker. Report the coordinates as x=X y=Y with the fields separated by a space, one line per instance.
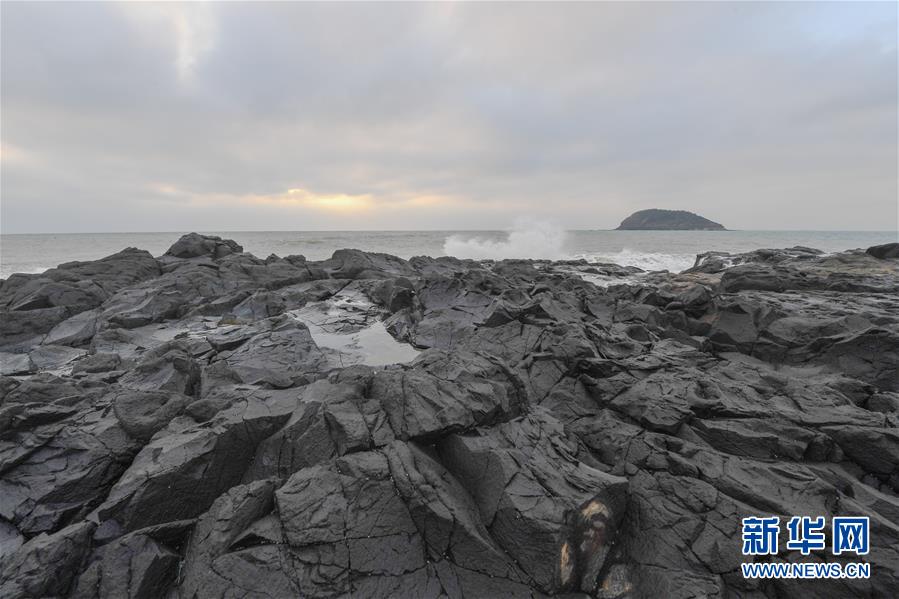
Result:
x=45 y=565
x=58 y=469
x=11 y=364
x=390 y=523
x=179 y=474
x=53 y=357
x=538 y=500
x=99 y=362
x=231 y=545
x=885 y=251
x=283 y=356
x=365 y=408
x=355 y=264
x=75 y=331
x=20 y=331
x=168 y=367
x=205 y=424
x=143 y=413
x=135 y=566
x=78 y=286
x=194 y=245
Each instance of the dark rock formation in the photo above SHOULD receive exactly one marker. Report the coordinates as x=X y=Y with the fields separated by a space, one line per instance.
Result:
x=655 y=219
x=884 y=252
x=202 y=424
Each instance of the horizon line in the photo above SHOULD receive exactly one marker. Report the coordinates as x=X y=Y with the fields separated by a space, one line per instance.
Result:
x=505 y=230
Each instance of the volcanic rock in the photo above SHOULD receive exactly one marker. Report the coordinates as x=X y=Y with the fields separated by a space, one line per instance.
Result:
x=205 y=424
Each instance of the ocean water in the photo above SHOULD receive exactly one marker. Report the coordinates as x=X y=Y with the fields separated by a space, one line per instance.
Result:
x=649 y=250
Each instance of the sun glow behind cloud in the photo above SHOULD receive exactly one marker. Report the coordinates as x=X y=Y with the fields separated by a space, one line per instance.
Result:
x=340 y=202
x=299 y=198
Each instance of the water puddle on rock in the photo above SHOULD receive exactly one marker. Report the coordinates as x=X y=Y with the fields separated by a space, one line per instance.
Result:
x=372 y=346
x=349 y=325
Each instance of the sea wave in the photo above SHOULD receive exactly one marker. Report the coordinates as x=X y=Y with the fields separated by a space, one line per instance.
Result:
x=540 y=240
x=529 y=238
x=648 y=261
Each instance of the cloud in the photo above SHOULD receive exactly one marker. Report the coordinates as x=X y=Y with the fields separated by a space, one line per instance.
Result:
x=16 y=156
x=191 y=28
x=306 y=201
x=447 y=115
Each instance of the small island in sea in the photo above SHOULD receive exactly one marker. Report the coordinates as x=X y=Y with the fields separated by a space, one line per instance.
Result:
x=655 y=219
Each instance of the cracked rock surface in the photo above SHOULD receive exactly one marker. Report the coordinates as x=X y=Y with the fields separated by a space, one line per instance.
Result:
x=208 y=424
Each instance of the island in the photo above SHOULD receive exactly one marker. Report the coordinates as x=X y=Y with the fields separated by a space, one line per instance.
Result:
x=655 y=219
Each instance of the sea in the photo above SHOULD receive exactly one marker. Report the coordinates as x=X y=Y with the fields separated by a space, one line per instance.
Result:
x=650 y=250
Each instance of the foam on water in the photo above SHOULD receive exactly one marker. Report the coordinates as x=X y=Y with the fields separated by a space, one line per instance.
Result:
x=648 y=261
x=542 y=240
x=528 y=239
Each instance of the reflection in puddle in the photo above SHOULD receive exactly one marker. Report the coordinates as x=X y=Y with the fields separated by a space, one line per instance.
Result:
x=372 y=345
x=349 y=326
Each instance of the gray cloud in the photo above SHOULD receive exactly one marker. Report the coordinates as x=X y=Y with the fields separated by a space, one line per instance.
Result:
x=204 y=116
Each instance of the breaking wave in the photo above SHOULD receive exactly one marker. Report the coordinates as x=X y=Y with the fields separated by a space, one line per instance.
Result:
x=539 y=240
x=528 y=239
x=648 y=261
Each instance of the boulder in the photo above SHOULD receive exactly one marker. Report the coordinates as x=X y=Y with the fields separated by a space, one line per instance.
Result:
x=886 y=251
x=194 y=245
x=46 y=565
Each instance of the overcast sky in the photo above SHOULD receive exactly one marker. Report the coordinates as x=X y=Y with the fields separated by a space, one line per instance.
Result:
x=261 y=116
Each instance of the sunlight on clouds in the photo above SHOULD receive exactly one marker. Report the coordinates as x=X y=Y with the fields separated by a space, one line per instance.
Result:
x=303 y=198
x=347 y=203
x=15 y=155
x=336 y=202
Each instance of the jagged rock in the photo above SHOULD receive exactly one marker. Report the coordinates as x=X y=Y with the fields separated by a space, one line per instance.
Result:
x=134 y=566
x=60 y=467
x=555 y=515
x=78 y=286
x=885 y=251
x=355 y=264
x=168 y=367
x=282 y=356
x=363 y=408
x=23 y=330
x=231 y=545
x=52 y=357
x=99 y=362
x=10 y=540
x=194 y=245
x=179 y=474
x=390 y=523
x=11 y=364
x=46 y=564
x=143 y=413
x=74 y=331
x=173 y=427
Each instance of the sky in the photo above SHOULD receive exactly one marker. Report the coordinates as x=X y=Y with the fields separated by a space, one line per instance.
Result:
x=289 y=116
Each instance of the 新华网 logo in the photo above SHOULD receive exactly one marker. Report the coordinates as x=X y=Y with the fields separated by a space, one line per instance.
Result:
x=805 y=534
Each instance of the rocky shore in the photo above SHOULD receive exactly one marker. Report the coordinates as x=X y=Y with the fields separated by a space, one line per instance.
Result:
x=211 y=424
